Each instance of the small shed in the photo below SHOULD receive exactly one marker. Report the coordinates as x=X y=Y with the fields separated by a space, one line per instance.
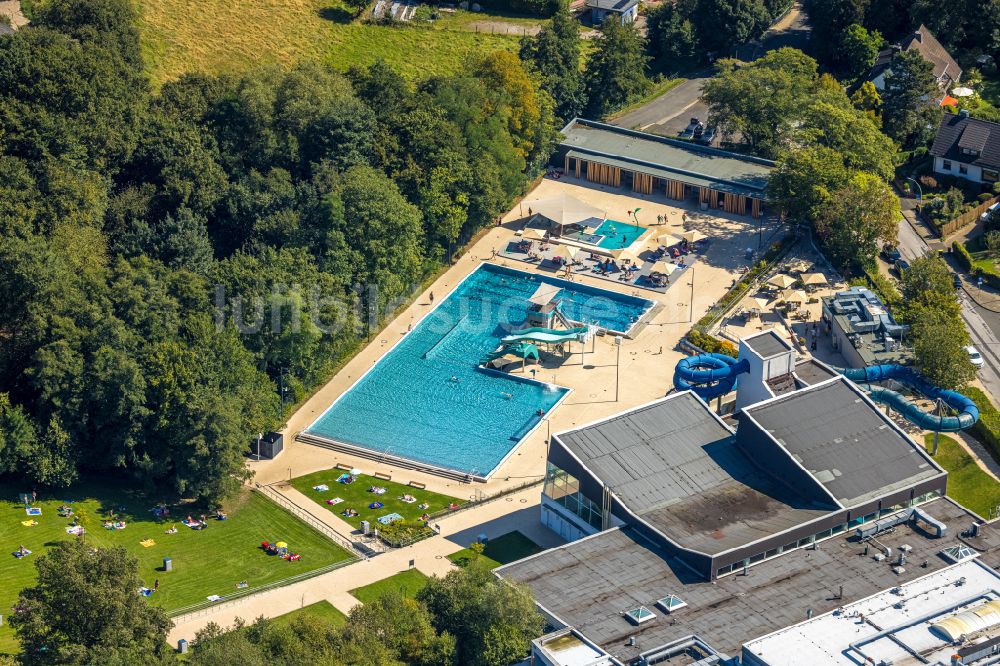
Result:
x=267 y=446
x=626 y=10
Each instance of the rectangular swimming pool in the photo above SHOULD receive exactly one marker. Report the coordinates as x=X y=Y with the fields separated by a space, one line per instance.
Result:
x=611 y=235
x=427 y=400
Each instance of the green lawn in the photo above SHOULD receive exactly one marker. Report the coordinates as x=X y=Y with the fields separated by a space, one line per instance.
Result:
x=217 y=36
x=205 y=562
x=357 y=497
x=408 y=582
x=322 y=610
x=504 y=549
x=968 y=485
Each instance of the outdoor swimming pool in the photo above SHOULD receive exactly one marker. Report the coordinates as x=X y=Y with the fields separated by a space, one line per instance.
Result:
x=426 y=399
x=611 y=235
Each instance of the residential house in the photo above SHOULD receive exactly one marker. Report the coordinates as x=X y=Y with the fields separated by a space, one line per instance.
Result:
x=625 y=10
x=967 y=147
x=946 y=70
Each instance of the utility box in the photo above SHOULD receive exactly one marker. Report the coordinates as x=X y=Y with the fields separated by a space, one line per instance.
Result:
x=268 y=446
x=365 y=527
x=182 y=646
x=168 y=564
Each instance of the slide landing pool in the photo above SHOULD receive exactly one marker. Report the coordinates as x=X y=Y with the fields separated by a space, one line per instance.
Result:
x=426 y=400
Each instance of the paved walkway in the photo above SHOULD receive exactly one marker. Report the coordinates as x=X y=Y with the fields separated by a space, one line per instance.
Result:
x=519 y=511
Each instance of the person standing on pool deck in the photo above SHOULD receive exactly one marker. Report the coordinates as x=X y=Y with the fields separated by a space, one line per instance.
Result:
x=432 y=297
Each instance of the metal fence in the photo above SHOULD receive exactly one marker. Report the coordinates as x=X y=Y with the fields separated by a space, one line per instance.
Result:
x=361 y=547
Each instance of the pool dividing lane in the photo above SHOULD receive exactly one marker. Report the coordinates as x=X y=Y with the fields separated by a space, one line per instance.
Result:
x=428 y=401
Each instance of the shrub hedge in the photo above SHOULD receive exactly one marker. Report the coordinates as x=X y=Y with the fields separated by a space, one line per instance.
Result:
x=987 y=428
x=962 y=255
x=712 y=344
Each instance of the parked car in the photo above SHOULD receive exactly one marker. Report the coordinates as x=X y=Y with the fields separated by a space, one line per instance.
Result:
x=890 y=253
x=902 y=265
x=708 y=136
x=956 y=280
x=975 y=357
x=989 y=211
x=694 y=126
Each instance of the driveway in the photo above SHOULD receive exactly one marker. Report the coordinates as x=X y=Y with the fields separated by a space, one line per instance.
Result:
x=670 y=113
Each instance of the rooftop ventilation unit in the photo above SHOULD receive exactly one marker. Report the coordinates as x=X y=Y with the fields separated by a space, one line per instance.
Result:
x=639 y=614
x=671 y=603
x=958 y=553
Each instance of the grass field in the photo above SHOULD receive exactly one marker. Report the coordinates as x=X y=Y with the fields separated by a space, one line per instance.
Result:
x=322 y=610
x=408 y=582
x=205 y=562
x=357 y=497
x=968 y=485
x=217 y=36
x=504 y=549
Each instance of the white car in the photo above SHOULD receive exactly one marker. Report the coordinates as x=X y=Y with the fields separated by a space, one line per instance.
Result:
x=975 y=357
x=989 y=211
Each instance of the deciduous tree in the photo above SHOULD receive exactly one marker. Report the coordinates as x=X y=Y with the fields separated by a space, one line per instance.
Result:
x=616 y=71
x=856 y=221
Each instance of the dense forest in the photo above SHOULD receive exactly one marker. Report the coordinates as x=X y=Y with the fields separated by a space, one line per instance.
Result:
x=170 y=258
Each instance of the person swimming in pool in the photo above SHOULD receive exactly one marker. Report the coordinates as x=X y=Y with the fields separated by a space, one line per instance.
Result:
x=507 y=396
x=454 y=379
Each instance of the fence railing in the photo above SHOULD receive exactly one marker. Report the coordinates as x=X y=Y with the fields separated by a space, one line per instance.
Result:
x=965 y=219
x=192 y=611
x=352 y=545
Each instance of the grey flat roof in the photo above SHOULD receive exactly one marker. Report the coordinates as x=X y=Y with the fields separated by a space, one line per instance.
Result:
x=845 y=442
x=812 y=372
x=674 y=465
x=767 y=344
x=667 y=158
x=588 y=584
x=618 y=6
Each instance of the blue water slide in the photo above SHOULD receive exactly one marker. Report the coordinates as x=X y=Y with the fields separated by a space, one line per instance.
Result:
x=547 y=335
x=708 y=375
x=968 y=413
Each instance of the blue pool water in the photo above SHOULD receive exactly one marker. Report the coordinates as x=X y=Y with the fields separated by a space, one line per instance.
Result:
x=617 y=234
x=426 y=400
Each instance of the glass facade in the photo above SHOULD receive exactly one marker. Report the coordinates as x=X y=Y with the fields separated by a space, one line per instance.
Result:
x=564 y=489
x=825 y=534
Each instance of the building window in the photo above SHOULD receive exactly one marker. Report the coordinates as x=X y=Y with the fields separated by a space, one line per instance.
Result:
x=564 y=489
x=962 y=169
x=990 y=176
x=946 y=164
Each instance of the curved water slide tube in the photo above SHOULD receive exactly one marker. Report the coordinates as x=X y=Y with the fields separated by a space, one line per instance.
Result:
x=523 y=349
x=968 y=413
x=708 y=375
x=547 y=335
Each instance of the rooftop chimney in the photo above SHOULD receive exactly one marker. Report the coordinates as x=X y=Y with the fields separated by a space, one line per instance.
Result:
x=964 y=113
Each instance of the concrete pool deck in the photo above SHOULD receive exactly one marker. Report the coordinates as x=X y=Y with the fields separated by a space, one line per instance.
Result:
x=646 y=362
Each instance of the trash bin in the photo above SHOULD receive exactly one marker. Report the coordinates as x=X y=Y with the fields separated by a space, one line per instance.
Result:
x=182 y=646
x=365 y=527
x=168 y=564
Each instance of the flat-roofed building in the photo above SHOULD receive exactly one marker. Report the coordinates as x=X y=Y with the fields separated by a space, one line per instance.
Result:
x=647 y=163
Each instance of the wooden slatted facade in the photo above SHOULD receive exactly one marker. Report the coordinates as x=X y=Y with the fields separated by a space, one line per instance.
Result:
x=644 y=183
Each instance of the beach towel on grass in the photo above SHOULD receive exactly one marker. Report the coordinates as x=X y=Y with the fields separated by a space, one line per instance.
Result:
x=147 y=543
x=390 y=518
x=322 y=488
x=29 y=523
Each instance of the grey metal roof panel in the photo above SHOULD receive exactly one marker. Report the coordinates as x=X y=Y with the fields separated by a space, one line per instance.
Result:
x=768 y=344
x=669 y=158
x=619 y=6
x=677 y=468
x=975 y=137
x=589 y=583
x=844 y=441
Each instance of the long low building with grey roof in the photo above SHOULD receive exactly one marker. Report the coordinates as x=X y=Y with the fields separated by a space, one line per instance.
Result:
x=647 y=163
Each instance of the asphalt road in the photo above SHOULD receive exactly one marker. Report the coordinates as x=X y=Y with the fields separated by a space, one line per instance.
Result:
x=983 y=325
x=671 y=112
